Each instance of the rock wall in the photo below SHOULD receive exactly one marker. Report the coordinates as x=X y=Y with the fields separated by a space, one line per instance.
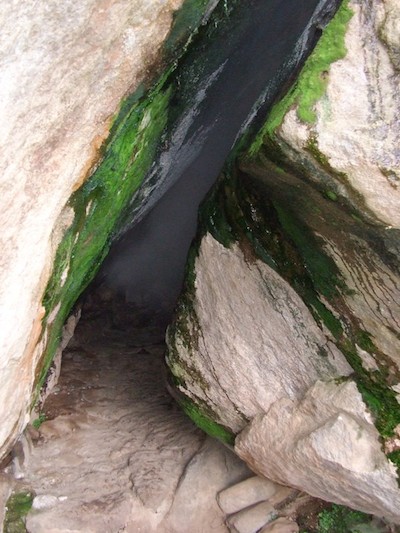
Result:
x=287 y=334
x=93 y=144
x=64 y=70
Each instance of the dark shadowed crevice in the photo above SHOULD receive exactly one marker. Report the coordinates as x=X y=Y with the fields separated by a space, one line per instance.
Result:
x=245 y=70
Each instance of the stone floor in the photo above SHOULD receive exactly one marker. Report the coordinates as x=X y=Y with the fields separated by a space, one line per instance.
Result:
x=116 y=453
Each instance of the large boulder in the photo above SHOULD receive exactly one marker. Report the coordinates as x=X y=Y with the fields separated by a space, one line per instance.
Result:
x=287 y=333
x=65 y=68
x=327 y=443
x=248 y=340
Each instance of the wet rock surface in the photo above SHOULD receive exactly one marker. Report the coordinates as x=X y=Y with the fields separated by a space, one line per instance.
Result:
x=290 y=300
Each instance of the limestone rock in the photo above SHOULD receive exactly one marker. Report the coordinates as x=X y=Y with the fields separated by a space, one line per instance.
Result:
x=281 y=525
x=373 y=295
x=64 y=70
x=54 y=371
x=253 y=519
x=283 y=498
x=195 y=507
x=389 y=30
x=45 y=501
x=327 y=445
x=260 y=343
x=249 y=492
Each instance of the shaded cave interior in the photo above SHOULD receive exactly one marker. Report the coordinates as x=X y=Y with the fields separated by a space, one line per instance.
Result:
x=140 y=281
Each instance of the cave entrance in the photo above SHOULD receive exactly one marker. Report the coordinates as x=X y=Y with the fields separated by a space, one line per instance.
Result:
x=115 y=449
x=115 y=452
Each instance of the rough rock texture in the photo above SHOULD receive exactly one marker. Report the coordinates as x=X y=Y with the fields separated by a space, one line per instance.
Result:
x=257 y=502
x=249 y=492
x=264 y=351
x=260 y=367
x=63 y=71
x=357 y=130
x=329 y=431
x=116 y=453
x=252 y=520
x=281 y=525
x=5 y=491
x=294 y=279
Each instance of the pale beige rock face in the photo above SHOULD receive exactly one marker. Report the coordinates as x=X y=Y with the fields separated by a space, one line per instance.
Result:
x=257 y=340
x=257 y=355
x=64 y=67
x=246 y=494
x=389 y=29
x=357 y=127
x=327 y=445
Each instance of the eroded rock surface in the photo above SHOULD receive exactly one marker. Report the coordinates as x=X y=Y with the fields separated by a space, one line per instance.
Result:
x=268 y=344
x=356 y=132
x=327 y=443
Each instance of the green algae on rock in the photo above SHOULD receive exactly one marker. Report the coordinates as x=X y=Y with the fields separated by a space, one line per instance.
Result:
x=287 y=203
x=102 y=206
x=206 y=423
x=17 y=507
x=310 y=85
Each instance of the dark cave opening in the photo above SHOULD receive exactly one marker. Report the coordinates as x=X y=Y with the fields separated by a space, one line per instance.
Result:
x=140 y=280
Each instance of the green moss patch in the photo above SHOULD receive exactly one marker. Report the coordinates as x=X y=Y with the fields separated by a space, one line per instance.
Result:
x=39 y=421
x=340 y=519
x=101 y=204
x=205 y=423
x=186 y=21
x=213 y=217
x=17 y=507
x=321 y=517
x=377 y=395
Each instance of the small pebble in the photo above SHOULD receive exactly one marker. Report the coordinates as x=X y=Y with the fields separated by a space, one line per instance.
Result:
x=44 y=501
